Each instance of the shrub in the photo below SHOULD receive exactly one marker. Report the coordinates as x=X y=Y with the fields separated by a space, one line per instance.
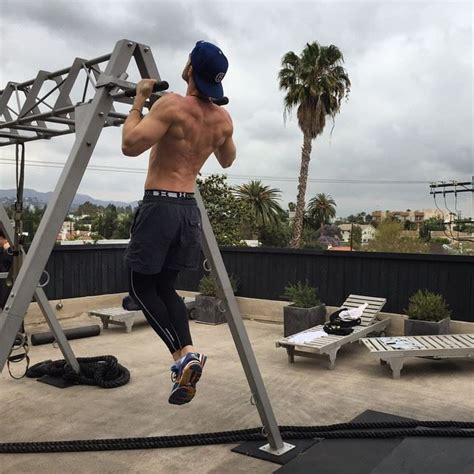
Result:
x=427 y=306
x=302 y=296
x=208 y=285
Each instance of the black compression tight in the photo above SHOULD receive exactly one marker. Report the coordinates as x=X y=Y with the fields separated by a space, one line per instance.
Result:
x=162 y=306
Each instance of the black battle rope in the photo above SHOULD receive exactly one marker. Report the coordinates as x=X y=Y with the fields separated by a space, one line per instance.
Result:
x=103 y=371
x=380 y=430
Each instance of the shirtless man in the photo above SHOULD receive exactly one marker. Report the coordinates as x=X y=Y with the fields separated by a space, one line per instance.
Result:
x=182 y=133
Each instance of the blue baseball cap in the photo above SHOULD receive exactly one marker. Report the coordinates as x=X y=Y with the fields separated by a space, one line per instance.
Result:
x=209 y=68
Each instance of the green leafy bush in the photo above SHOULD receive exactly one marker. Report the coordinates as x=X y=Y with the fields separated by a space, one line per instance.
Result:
x=302 y=296
x=427 y=306
x=208 y=286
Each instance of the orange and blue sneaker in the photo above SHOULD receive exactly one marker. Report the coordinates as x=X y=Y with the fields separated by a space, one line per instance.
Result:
x=186 y=374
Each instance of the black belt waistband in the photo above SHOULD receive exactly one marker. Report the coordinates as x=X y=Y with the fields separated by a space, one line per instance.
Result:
x=171 y=194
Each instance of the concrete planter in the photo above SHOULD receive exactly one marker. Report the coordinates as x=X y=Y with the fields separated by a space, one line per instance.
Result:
x=207 y=310
x=416 y=327
x=298 y=319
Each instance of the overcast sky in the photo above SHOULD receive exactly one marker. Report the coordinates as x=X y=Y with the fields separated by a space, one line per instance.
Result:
x=409 y=116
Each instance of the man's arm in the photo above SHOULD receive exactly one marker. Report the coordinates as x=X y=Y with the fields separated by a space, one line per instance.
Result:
x=226 y=152
x=139 y=134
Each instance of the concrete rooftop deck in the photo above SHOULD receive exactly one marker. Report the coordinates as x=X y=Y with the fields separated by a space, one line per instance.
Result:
x=303 y=393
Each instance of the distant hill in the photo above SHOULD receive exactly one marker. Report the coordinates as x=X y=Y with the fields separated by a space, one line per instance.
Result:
x=36 y=198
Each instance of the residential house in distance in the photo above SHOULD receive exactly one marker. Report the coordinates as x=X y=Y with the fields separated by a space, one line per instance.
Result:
x=368 y=232
x=417 y=216
x=69 y=233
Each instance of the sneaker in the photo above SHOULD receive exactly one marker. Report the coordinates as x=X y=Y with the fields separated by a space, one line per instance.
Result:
x=185 y=377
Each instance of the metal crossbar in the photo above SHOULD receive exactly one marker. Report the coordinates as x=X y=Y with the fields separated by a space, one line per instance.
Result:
x=86 y=119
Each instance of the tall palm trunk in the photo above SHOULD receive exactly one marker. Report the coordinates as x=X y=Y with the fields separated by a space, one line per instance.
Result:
x=300 y=201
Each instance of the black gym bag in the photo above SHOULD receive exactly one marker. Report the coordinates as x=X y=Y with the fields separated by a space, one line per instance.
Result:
x=338 y=326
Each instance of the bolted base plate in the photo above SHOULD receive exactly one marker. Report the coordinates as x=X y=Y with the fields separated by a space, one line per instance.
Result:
x=278 y=452
x=281 y=456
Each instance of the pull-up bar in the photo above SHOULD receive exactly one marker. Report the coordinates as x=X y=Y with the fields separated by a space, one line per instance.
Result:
x=87 y=119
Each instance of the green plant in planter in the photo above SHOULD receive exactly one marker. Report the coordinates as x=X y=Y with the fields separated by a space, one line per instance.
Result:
x=302 y=296
x=208 y=286
x=427 y=306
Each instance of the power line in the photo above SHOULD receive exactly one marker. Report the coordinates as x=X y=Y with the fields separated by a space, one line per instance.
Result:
x=117 y=169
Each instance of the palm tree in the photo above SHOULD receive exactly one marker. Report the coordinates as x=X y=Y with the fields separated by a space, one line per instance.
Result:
x=262 y=200
x=315 y=83
x=322 y=208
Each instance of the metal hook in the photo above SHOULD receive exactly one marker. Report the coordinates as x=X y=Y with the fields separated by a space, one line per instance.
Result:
x=206 y=265
x=264 y=432
x=253 y=399
x=221 y=307
x=48 y=279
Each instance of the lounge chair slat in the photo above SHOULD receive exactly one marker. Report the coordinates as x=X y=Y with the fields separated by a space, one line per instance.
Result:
x=465 y=338
x=454 y=342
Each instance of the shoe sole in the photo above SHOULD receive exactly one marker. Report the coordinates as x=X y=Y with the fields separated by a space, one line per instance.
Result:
x=182 y=395
x=190 y=376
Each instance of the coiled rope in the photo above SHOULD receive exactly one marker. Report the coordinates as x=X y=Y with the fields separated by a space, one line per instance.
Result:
x=102 y=371
x=378 y=430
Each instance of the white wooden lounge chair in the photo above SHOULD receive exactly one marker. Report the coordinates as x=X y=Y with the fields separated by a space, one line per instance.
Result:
x=319 y=343
x=122 y=317
x=438 y=347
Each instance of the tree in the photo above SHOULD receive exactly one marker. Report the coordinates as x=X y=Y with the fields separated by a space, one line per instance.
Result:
x=109 y=221
x=329 y=235
x=124 y=223
x=321 y=209
x=230 y=218
x=262 y=200
x=275 y=234
x=315 y=83
x=88 y=209
x=356 y=237
x=433 y=223
x=31 y=219
x=388 y=238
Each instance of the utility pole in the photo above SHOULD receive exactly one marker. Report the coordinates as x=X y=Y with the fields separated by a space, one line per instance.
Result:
x=352 y=232
x=455 y=187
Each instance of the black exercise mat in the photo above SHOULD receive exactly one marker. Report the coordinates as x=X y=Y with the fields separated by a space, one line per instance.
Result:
x=430 y=455
x=343 y=456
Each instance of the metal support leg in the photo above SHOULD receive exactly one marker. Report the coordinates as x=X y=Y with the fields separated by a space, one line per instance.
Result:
x=240 y=336
x=44 y=305
x=56 y=329
x=88 y=130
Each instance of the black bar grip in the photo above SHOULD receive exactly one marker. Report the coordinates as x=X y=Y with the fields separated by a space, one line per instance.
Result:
x=158 y=87
x=223 y=101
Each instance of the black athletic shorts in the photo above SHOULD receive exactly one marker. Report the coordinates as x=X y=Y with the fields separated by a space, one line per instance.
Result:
x=165 y=233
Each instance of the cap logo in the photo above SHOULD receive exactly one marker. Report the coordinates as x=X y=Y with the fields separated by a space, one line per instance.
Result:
x=219 y=77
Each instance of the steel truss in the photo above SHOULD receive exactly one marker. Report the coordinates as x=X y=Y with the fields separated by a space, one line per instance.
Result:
x=26 y=114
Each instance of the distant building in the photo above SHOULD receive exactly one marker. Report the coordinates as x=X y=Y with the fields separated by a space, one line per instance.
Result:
x=68 y=232
x=368 y=232
x=417 y=216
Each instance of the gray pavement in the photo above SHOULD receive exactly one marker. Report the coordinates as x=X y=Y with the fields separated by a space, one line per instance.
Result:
x=304 y=393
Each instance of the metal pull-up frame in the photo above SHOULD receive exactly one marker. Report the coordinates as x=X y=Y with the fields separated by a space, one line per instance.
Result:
x=86 y=119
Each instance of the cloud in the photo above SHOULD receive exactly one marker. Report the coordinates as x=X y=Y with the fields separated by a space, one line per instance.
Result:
x=409 y=116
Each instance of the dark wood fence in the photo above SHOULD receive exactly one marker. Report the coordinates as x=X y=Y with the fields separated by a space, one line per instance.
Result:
x=264 y=273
